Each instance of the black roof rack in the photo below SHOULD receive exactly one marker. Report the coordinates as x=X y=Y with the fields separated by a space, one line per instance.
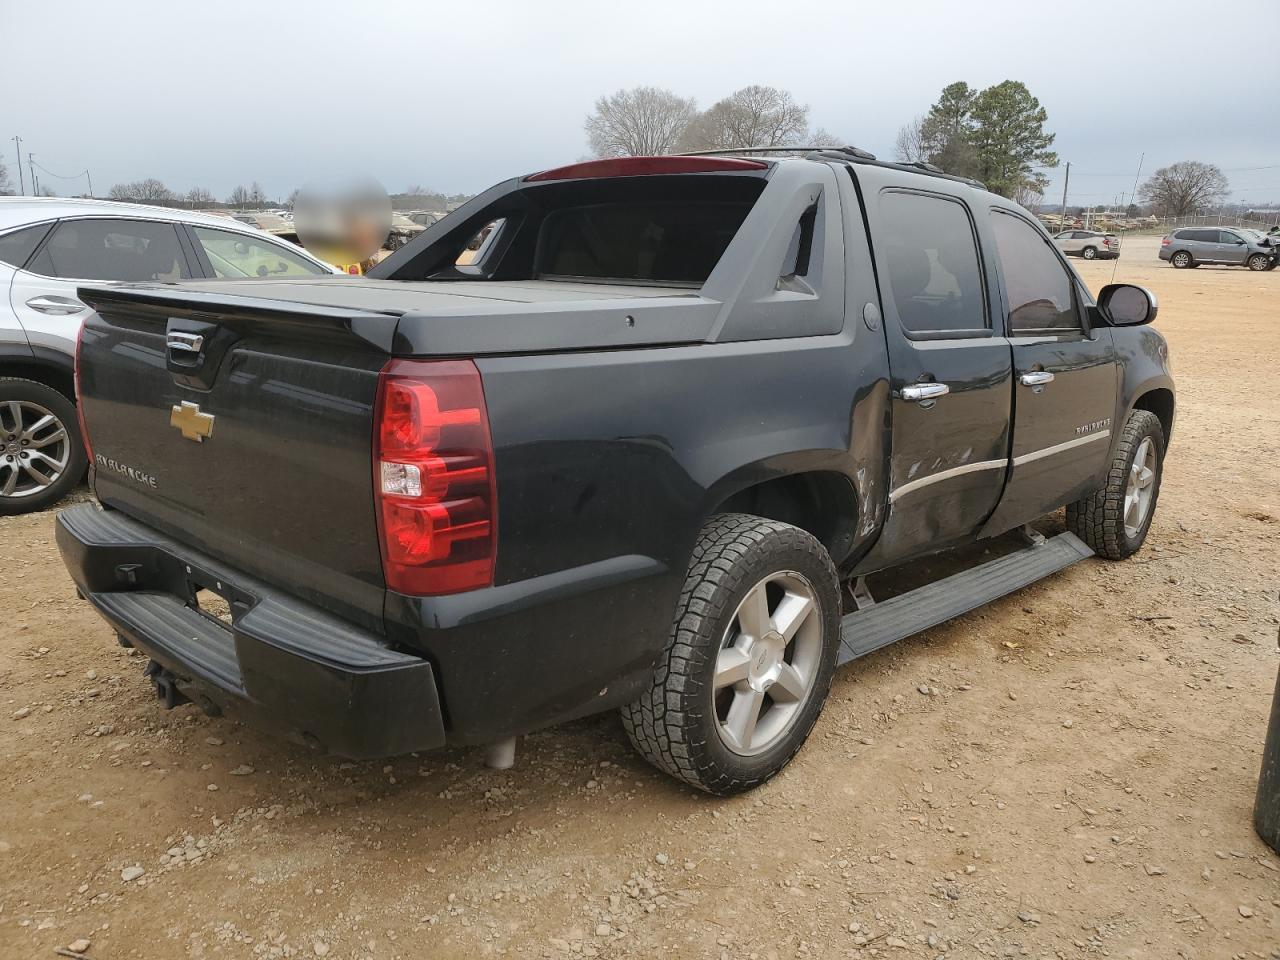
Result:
x=849 y=154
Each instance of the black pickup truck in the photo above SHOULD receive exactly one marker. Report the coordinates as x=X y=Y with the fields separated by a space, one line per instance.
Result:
x=621 y=453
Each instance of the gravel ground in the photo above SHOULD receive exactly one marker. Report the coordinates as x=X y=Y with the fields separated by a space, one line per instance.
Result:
x=1067 y=773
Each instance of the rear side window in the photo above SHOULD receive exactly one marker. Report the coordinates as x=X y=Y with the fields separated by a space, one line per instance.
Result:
x=237 y=255
x=112 y=250
x=17 y=247
x=933 y=263
x=640 y=242
x=1199 y=236
x=1038 y=286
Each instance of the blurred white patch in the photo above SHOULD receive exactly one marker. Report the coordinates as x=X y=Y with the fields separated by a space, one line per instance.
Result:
x=343 y=222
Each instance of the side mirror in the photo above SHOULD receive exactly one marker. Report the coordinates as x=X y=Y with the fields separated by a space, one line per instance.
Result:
x=1127 y=305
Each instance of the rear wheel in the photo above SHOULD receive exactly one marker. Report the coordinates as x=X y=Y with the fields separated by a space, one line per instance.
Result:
x=749 y=659
x=1089 y=253
x=41 y=452
x=1114 y=520
x=1182 y=260
x=1259 y=262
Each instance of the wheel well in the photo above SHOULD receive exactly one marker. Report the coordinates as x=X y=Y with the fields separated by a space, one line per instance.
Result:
x=822 y=503
x=1159 y=402
x=59 y=378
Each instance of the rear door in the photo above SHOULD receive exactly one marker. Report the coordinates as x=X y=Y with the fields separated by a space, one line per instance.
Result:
x=87 y=249
x=1065 y=377
x=950 y=366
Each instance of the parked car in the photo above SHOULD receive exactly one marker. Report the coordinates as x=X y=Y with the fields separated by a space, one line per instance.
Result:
x=622 y=459
x=1089 y=244
x=403 y=229
x=47 y=247
x=1192 y=246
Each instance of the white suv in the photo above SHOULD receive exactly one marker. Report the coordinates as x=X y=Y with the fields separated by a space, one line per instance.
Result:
x=47 y=247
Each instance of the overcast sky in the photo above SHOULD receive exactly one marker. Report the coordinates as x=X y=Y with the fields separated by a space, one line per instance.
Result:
x=458 y=96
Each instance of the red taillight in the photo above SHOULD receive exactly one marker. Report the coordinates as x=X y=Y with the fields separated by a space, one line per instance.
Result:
x=433 y=475
x=84 y=429
x=1165 y=241
x=648 y=166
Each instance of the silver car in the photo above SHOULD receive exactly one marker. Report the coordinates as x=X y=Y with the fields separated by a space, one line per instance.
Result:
x=48 y=247
x=1192 y=246
x=1089 y=244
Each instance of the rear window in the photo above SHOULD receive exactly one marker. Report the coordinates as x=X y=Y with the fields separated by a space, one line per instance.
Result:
x=641 y=242
x=16 y=247
x=112 y=250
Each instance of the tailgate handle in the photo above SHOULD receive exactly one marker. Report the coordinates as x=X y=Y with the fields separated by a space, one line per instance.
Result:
x=186 y=342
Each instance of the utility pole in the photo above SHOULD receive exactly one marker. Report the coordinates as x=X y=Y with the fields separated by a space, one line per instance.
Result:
x=90 y=179
x=35 y=184
x=1065 y=181
x=22 y=184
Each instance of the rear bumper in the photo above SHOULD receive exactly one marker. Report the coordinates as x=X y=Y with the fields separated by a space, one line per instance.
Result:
x=284 y=664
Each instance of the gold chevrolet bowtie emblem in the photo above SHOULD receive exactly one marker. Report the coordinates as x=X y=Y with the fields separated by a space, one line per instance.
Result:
x=193 y=424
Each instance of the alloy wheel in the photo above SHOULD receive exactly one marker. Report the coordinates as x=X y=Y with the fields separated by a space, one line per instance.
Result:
x=1141 y=489
x=768 y=663
x=34 y=448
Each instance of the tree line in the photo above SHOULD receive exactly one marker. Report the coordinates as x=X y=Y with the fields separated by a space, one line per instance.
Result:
x=651 y=121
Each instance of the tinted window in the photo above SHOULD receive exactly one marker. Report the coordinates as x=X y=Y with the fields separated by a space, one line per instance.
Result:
x=1037 y=284
x=1199 y=236
x=236 y=255
x=666 y=242
x=933 y=263
x=112 y=250
x=17 y=246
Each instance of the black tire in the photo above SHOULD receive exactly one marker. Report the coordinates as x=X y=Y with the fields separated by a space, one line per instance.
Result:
x=11 y=446
x=1182 y=260
x=1259 y=262
x=674 y=724
x=1089 y=253
x=1098 y=519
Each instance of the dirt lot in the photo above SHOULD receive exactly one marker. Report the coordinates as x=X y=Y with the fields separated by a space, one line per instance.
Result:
x=1076 y=779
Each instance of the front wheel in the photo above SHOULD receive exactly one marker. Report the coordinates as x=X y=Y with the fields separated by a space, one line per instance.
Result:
x=1089 y=253
x=1259 y=262
x=749 y=659
x=1114 y=520
x=41 y=453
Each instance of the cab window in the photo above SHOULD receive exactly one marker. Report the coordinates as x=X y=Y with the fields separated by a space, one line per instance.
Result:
x=235 y=255
x=112 y=250
x=1038 y=286
x=933 y=266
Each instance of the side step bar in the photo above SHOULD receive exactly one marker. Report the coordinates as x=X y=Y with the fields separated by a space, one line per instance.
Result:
x=887 y=621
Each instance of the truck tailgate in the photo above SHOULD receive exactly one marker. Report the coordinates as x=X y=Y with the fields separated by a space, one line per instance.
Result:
x=244 y=428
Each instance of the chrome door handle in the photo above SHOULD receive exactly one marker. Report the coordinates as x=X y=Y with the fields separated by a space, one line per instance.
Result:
x=924 y=391
x=1036 y=378
x=186 y=342
x=56 y=306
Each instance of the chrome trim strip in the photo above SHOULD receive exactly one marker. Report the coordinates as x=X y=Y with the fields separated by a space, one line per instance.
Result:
x=959 y=471
x=1059 y=447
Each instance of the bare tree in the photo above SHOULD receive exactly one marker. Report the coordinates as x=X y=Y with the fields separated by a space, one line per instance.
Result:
x=822 y=137
x=417 y=190
x=1028 y=195
x=640 y=122
x=754 y=116
x=910 y=146
x=256 y=195
x=239 y=196
x=149 y=190
x=1184 y=188
x=199 y=197
x=6 y=188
